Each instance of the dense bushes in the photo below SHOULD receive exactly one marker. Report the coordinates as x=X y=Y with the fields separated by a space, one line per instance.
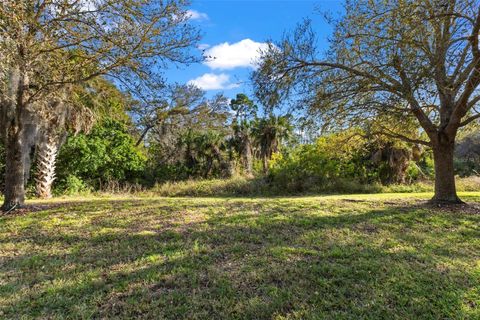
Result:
x=346 y=162
x=310 y=167
x=107 y=154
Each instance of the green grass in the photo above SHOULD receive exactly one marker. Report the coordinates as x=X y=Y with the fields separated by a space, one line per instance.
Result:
x=380 y=256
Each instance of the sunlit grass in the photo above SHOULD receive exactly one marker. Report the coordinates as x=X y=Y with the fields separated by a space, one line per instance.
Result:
x=383 y=256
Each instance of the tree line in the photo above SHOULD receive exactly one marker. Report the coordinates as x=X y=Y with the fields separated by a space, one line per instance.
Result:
x=72 y=71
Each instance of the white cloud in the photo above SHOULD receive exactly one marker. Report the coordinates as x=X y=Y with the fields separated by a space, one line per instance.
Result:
x=203 y=46
x=229 y=56
x=196 y=15
x=211 y=81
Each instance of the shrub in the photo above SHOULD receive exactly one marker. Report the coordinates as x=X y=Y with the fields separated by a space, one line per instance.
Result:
x=471 y=183
x=235 y=186
x=327 y=165
x=107 y=154
x=466 y=167
x=71 y=185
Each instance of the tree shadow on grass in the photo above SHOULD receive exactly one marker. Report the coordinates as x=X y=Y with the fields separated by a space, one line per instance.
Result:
x=243 y=260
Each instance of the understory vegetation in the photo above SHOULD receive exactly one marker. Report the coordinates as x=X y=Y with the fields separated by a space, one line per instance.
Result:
x=211 y=159
x=201 y=152
x=347 y=257
x=260 y=187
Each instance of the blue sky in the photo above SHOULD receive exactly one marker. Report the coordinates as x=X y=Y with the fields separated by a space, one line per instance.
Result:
x=233 y=30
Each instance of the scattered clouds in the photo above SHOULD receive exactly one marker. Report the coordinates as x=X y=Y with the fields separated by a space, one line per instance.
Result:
x=196 y=15
x=211 y=81
x=226 y=56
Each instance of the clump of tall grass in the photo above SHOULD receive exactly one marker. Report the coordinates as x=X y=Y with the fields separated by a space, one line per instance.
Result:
x=235 y=186
x=466 y=184
x=242 y=186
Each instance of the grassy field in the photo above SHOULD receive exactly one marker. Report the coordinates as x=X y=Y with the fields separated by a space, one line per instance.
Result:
x=335 y=257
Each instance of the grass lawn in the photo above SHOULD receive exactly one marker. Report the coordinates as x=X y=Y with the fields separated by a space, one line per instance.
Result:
x=333 y=257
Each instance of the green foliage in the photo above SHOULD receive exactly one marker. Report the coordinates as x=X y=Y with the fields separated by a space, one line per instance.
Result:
x=243 y=107
x=467 y=153
x=72 y=185
x=189 y=143
x=107 y=154
x=426 y=165
x=323 y=164
x=413 y=171
x=269 y=133
x=104 y=99
x=342 y=162
x=466 y=168
x=202 y=154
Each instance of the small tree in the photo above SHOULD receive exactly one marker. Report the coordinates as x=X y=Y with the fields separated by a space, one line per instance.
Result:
x=269 y=132
x=400 y=59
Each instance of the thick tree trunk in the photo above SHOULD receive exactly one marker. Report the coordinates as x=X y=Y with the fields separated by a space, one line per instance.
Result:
x=445 y=190
x=14 y=170
x=46 y=162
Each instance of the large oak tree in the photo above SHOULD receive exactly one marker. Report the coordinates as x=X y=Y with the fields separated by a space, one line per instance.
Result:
x=393 y=59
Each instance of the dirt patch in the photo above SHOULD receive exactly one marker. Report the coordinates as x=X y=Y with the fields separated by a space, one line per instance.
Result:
x=469 y=208
x=354 y=200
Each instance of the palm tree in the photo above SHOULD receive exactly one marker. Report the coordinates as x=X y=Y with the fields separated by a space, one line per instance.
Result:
x=201 y=150
x=209 y=146
x=245 y=109
x=187 y=142
x=269 y=133
x=64 y=116
x=243 y=140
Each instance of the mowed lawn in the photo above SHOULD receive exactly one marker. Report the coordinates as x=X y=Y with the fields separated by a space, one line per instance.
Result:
x=333 y=257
